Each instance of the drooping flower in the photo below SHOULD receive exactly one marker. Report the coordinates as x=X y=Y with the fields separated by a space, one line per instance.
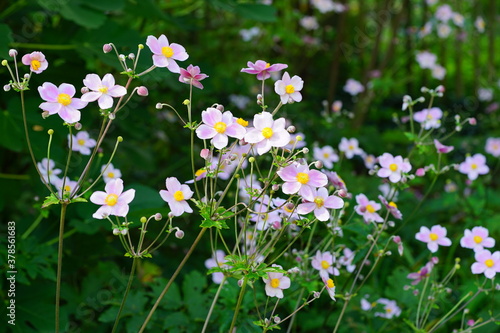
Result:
x=289 y=88
x=81 y=142
x=442 y=149
x=217 y=126
x=476 y=239
x=323 y=262
x=346 y=259
x=47 y=170
x=486 y=263
x=327 y=155
x=262 y=69
x=350 y=147
x=393 y=167
x=217 y=260
x=298 y=178
x=429 y=118
x=166 y=54
x=113 y=201
x=330 y=287
x=473 y=166
x=60 y=100
x=493 y=146
x=110 y=173
x=421 y=274
x=434 y=237
x=103 y=91
x=391 y=309
x=176 y=196
x=36 y=60
x=368 y=209
x=192 y=75
x=479 y=24
x=318 y=201
x=353 y=87
x=391 y=207
x=276 y=283
x=267 y=133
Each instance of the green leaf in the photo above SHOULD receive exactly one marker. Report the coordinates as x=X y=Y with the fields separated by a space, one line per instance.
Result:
x=79 y=199
x=50 y=200
x=196 y=301
x=11 y=133
x=256 y=12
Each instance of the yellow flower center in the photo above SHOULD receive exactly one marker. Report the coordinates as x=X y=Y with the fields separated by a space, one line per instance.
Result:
x=393 y=167
x=167 y=51
x=478 y=239
x=275 y=283
x=242 y=122
x=370 y=209
x=433 y=236
x=35 y=64
x=429 y=116
x=67 y=188
x=289 y=89
x=473 y=166
x=489 y=263
x=178 y=195
x=103 y=89
x=200 y=172
x=325 y=264
x=319 y=201
x=388 y=310
x=330 y=284
x=81 y=142
x=220 y=127
x=267 y=132
x=302 y=178
x=111 y=199
x=326 y=155
x=351 y=147
x=64 y=99
x=393 y=204
x=268 y=65
x=111 y=175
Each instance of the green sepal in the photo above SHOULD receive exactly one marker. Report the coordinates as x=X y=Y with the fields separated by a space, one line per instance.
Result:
x=51 y=200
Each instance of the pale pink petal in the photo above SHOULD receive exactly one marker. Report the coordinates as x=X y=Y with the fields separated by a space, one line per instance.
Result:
x=69 y=115
x=66 y=88
x=263 y=147
x=432 y=246
x=49 y=92
x=91 y=96
x=322 y=214
x=98 y=197
x=280 y=139
x=127 y=196
x=105 y=102
x=291 y=187
x=205 y=132
x=117 y=91
x=108 y=80
x=173 y=185
x=51 y=107
x=160 y=60
x=235 y=130
x=211 y=116
x=179 y=52
x=305 y=208
x=220 y=141
x=92 y=81
x=153 y=44
x=102 y=212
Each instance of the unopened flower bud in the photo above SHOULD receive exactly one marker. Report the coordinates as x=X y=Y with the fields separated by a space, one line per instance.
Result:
x=337 y=106
x=291 y=129
x=119 y=139
x=434 y=260
x=50 y=131
x=342 y=193
x=424 y=89
x=396 y=239
x=116 y=231
x=158 y=106
x=420 y=172
x=131 y=56
x=277 y=320
x=6 y=87
x=186 y=102
x=316 y=294
x=171 y=215
x=421 y=99
x=275 y=187
x=142 y=91
x=472 y=121
x=78 y=126
x=45 y=114
x=220 y=107
x=12 y=53
x=440 y=89
x=4 y=62
x=140 y=46
x=121 y=57
x=318 y=164
x=259 y=97
x=251 y=159
x=205 y=153
x=124 y=232
x=305 y=150
x=299 y=138
x=143 y=219
x=391 y=224
x=106 y=48
x=158 y=217
x=112 y=116
x=240 y=283
x=179 y=234
x=84 y=90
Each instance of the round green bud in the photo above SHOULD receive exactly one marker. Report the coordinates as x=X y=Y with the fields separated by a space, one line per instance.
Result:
x=144 y=219
x=186 y=102
x=50 y=131
x=120 y=139
x=141 y=46
x=251 y=159
x=4 y=62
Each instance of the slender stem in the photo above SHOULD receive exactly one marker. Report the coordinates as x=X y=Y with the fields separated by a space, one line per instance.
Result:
x=216 y=297
x=124 y=300
x=177 y=271
x=64 y=205
x=32 y=226
x=238 y=304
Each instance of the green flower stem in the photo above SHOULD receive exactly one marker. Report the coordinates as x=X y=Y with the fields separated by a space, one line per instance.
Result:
x=172 y=279
x=129 y=284
x=216 y=297
x=292 y=319
x=32 y=226
x=422 y=294
x=238 y=304
x=64 y=205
